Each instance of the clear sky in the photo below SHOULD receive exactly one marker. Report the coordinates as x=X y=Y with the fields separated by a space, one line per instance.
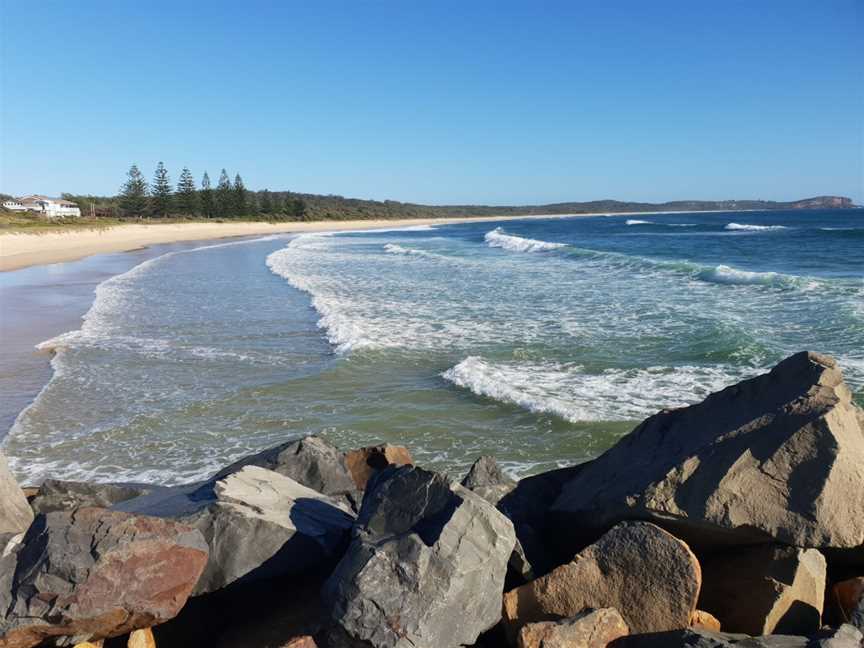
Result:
x=440 y=102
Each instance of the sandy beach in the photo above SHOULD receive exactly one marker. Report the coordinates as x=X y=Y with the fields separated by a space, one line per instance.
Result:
x=21 y=250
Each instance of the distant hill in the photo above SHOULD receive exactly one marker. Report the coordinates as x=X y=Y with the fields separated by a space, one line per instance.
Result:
x=338 y=208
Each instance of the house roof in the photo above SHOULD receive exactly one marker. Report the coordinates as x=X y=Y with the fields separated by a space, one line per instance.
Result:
x=39 y=198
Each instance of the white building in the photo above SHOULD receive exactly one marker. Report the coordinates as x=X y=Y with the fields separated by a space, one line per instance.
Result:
x=48 y=207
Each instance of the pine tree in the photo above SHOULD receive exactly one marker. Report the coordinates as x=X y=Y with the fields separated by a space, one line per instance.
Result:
x=133 y=193
x=265 y=202
x=160 y=195
x=187 y=200
x=241 y=206
x=224 y=195
x=208 y=205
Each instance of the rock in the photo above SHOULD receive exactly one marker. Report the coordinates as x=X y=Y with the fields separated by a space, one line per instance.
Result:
x=765 y=589
x=486 y=479
x=59 y=495
x=704 y=621
x=301 y=642
x=773 y=458
x=698 y=638
x=848 y=596
x=365 y=462
x=93 y=573
x=260 y=614
x=846 y=636
x=15 y=512
x=311 y=461
x=645 y=573
x=425 y=567
x=259 y=524
x=89 y=644
x=527 y=506
x=141 y=639
x=589 y=629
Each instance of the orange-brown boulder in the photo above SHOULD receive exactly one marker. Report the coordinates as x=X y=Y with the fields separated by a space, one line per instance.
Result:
x=365 y=462
x=648 y=575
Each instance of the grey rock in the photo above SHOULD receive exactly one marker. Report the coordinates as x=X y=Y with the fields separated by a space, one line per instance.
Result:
x=773 y=458
x=765 y=589
x=311 y=461
x=697 y=638
x=845 y=636
x=857 y=618
x=93 y=573
x=259 y=524
x=15 y=512
x=60 y=495
x=527 y=506
x=425 y=567
x=485 y=471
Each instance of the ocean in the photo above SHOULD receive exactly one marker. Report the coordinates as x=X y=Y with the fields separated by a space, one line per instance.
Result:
x=540 y=341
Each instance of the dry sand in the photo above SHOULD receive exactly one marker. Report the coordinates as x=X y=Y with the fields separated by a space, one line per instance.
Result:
x=20 y=250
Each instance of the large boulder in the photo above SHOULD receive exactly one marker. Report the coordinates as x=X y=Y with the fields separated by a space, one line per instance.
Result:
x=310 y=461
x=486 y=479
x=426 y=565
x=779 y=458
x=60 y=495
x=258 y=524
x=364 y=463
x=765 y=589
x=94 y=573
x=538 y=547
x=589 y=629
x=645 y=573
x=15 y=512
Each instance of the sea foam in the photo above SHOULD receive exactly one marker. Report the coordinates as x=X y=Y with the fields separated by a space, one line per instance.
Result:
x=571 y=393
x=744 y=227
x=497 y=238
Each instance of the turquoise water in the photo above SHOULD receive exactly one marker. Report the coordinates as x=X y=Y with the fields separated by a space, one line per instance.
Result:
x=540 y=341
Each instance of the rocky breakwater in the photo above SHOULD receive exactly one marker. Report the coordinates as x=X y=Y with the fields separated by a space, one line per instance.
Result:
x=738 y=521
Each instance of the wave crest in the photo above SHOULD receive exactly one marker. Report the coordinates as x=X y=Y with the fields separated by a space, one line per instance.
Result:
x=497 y=238
x=568 y=392
x=745 y=227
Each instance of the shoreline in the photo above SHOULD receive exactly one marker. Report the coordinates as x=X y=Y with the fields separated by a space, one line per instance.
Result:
x=20 y=250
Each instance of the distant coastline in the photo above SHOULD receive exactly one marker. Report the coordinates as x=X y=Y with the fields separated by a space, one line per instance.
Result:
x=22 y=249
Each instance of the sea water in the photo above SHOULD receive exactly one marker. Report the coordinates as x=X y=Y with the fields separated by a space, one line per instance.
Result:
x=540 y=341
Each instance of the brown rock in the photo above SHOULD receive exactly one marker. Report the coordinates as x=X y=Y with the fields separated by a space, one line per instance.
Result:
x=589 y=629
x=645 y=573
x=365 y=462
x=89 y=644
x=300 y=642
x=705 y=621
x=768 y=589
x=93 y=573
x=142 y=638
x=847 y=595
x=776 y=458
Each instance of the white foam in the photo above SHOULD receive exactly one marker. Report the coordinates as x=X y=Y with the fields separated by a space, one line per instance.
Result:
x=571 y=393
x=633 y=221
x=724 y=274
x=744 y=227
x=497 y=238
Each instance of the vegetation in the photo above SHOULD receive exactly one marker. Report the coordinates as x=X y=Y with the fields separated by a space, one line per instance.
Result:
x=232 y=201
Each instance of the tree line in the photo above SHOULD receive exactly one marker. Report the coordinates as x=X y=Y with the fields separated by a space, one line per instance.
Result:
x=161 y=199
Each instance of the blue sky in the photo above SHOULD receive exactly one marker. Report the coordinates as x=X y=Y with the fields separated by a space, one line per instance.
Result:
x=440 y=102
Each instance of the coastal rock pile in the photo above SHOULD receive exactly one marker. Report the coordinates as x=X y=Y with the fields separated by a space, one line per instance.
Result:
x=738 y=521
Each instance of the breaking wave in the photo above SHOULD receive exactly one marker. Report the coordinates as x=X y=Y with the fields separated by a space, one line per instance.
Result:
x=744 y=227
x=497 y=238
x=569 y=392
